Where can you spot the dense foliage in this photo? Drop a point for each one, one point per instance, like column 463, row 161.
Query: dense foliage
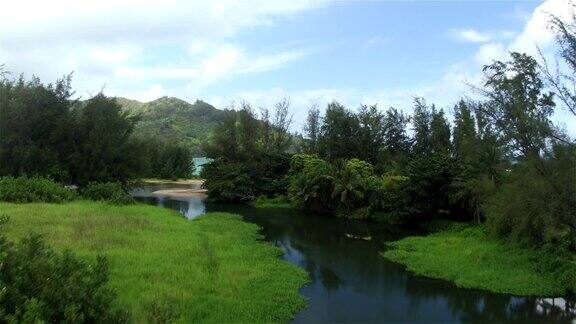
column 34, row 189
column 501, row 161
column 174, row 121
column 41, row 285
column 250, row 158
column 164, row 159
column 107, row 191
column 44, row 131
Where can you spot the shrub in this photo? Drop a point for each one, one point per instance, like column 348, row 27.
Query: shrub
column 34, row 189
column 354, row 188
column 393, row 199
column 107, row 191
column 311, row 183
column 229, row 182
column 535, row 205
column 430, row 185
column 275, row 202
column 243, row 181
column 555, row 258
column 41, row 285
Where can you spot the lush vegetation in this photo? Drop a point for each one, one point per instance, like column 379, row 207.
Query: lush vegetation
column 163, row 267
column 42, row 285
column 35, row 189
column 44, row 131
column 502, row 160
column 470, row 259
column 107, row 191
column 501, row 163
column 175, row 121
column 250, row 155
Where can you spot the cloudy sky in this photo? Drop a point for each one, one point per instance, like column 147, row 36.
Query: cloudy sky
column 312, row 51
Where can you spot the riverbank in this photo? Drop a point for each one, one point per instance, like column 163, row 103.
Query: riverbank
column 276, row 202
column 470, row 259
column 197, row 182
column 182, row 192
column 165, row 268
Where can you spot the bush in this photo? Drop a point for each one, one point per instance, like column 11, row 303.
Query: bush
column 311, row 183
column 430, row 184
column 229, row 182
column 555, row 258
column 275, row 202
column 107, row 191
column 41, row 285
column 393, row 199
column 243, row 181
column 35, row 189
column 535, row 205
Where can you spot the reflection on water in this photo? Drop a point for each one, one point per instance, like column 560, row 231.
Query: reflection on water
column 190, row 206
column 351, row 282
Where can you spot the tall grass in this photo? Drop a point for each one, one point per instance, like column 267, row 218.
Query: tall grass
column 165, row 268
column 471, row 259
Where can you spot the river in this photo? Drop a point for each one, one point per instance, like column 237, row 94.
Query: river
column 351, row 282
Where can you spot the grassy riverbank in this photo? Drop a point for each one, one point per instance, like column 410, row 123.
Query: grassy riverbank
column 163, row 267
column 277, row 202
column 470, row 259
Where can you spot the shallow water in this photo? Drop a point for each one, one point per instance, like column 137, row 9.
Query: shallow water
column 351, row 282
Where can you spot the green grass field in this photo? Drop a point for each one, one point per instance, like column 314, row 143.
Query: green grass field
column 470, row 259
column 163, row 267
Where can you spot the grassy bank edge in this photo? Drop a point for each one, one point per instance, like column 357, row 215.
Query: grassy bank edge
column 281, row 202
column 470, row 259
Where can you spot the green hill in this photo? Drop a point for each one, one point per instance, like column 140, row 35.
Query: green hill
column 173, row 118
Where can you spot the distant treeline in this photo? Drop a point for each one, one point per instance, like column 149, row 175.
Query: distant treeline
column 501, row 162
column 44, row 131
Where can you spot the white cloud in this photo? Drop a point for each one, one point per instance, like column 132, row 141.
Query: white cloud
column 471, row 35
column 535, row 34
column 453, row 85
column 123, row 43
column 211, row 63
column 489, row 52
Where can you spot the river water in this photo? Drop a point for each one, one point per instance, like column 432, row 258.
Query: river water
column 351, row 282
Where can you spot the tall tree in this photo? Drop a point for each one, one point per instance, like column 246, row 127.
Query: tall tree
column 520, row 109
column 339, row 133
column 248, row 131
column 35, row 127
column 266, row 132
column 421, row 127
column 439, row 132
column 396, row 140
column 103, row 150
column 464, row 133
column 395, row 137
column 281, row 126
column 370, row 133
column 223, row 143
column 312, row 130
column 564, row 84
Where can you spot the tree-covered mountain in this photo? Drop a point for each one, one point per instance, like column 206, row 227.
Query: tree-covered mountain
column 175, row 119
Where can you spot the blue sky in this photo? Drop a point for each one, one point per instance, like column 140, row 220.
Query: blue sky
column 374, row 45
column 311, row 51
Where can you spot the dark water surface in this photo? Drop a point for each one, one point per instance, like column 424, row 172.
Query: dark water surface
column 351, row 282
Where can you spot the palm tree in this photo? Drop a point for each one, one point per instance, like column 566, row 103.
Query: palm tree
column 349, row 189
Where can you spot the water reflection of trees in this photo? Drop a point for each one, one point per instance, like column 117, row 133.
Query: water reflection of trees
column 475, row 306
column 320, row 246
